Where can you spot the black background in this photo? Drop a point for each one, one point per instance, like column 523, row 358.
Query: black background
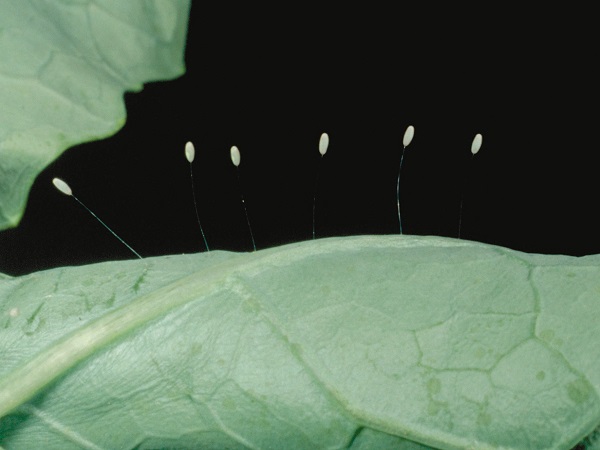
column 272, row 81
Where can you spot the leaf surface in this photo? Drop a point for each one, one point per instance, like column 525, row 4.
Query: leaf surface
column 356, row 342
column 64, row 66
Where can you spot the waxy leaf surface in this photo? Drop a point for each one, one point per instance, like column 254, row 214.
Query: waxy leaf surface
column 356, row 342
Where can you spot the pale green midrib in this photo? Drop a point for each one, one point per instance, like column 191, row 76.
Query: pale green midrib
column 27, row 380
column 30, row 378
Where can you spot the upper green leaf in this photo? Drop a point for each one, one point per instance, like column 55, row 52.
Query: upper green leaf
column 360, row 342
column 64, row 66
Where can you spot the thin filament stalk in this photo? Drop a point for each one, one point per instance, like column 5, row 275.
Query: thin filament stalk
column 460, row 209
column 107, row 227
column 315, row 197
column 196, row 208
column 245, row 210
column 398, row 190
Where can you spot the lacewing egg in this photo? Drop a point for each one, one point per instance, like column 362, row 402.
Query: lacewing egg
column 408, row 136
column 323, row 143
column 62, row 186
column 235, row 156
column 476, row 145
column 190, row 151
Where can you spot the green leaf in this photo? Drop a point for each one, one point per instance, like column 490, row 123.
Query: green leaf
column 64, row 67
column 357, row 342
